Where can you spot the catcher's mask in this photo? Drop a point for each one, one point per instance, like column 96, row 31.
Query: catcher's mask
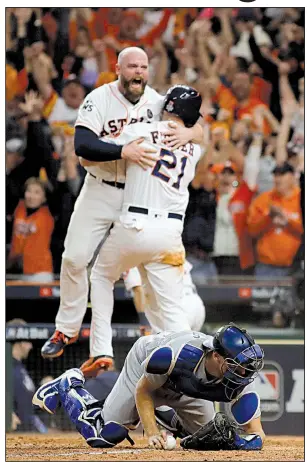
column 243, row 357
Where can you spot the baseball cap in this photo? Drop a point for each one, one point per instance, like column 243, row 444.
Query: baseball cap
column 282, row 169
column 224, row 167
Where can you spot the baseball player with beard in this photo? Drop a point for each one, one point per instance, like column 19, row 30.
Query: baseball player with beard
column 146, row 304
column 173, row 379
column 105, row 111
column 148, row 231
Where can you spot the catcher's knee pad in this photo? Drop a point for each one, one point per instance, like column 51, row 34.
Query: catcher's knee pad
column 167, row 417
column 246, row 408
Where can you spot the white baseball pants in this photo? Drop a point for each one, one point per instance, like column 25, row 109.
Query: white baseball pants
column 138, row 240
column 96, row 208
column 191, row 305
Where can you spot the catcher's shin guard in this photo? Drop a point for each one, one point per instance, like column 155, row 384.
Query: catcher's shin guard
column 80, row 406
column 85, row 412
column 47, row 395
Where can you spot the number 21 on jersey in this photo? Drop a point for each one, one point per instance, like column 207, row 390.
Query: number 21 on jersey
column 169, row 161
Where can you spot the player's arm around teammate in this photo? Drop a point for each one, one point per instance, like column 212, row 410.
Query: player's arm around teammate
column 178, row 136
column 93, row 150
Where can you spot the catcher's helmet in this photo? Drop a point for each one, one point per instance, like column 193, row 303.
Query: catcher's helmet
column 184, row 102
column 243, row 357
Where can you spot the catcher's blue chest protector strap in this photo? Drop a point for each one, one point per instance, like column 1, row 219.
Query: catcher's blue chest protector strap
column 183, row 380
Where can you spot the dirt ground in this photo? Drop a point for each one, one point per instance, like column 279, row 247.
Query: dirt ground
column 71, row 447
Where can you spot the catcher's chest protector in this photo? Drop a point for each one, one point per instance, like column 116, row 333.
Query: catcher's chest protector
column 183, row 380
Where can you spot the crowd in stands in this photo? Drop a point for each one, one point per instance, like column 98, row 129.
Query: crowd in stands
column 245, row 215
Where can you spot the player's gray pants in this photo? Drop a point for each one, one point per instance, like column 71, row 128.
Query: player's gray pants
column 120, row 404
column 96, row 208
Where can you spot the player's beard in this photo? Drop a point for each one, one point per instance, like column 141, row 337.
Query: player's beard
column 132, row 93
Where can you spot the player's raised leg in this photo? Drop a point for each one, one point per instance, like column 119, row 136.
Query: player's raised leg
column 90, row 222
column 105, row 272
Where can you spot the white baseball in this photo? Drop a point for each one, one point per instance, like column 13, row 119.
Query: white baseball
column 170, row 442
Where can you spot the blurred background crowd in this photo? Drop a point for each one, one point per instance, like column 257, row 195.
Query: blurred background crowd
column 248, row 64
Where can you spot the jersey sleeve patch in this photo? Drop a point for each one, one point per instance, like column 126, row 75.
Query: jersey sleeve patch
column 159, row 362
column 246, row 408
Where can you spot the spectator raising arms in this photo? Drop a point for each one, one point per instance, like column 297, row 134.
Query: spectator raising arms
column 275, row 220
column 248, row 66
column 32, row 229
column 233, row 247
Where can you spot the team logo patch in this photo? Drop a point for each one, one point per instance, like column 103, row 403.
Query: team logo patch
column 170, row 106
column 149, row 114
column 269, row 384
column 88, row 105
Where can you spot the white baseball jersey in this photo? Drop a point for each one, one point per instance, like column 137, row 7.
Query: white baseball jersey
column 165, row 186
column 106, row 111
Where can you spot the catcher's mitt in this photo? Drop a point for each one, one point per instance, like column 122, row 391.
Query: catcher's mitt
column 218, row 434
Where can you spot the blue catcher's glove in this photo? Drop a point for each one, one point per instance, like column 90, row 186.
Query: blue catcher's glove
column 219, row 434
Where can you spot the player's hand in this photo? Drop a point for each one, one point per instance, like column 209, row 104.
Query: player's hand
column 145, row 330
column 157, row 441
column 177, row 135
column 145, row 157
column 33, row 103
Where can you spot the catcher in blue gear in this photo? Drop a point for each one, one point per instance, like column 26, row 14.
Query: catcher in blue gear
column 172, row 379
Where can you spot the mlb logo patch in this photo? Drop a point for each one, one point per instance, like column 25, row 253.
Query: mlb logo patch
column 268, row 384
column 170, row 106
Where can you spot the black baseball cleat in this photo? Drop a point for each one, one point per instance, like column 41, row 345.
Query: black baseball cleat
column 54, row 346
